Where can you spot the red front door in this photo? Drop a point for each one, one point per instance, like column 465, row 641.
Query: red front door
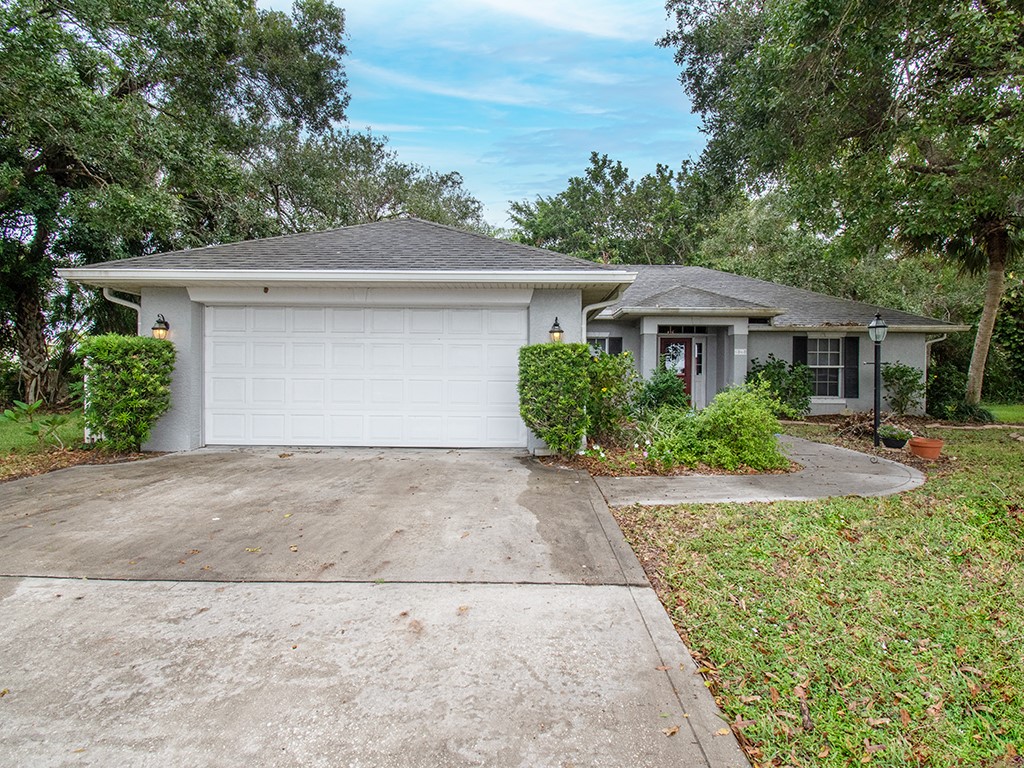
column 676, row 354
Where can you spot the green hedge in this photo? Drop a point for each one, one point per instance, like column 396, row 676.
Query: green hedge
column 128, row 382
column 554, row 386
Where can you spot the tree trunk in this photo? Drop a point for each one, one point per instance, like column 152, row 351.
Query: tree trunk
column 996, row 247
column 30, row 331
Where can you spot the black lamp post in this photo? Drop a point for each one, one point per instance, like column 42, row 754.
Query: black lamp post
column 877, row 329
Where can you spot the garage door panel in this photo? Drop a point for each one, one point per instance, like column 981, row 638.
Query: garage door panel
column 363, row 376
column 268, row 391
column 387, row 321
column 387, row 356
column 466, row 356
column 309, row 355
column 348, row 357
column 268, row 427
column 269, row 320
column 347, row 320
column 346, row 392
column 309, row 320
column 426, row 321
column 228, row 354
column 308, row 392
column 226, row 319
column 268, row 355
column 427, row 392
column 387, row 392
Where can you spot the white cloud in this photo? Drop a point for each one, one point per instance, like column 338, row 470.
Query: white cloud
column 617, row 20
column 507, row 90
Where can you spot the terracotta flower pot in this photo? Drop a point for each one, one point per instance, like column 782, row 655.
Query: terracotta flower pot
column 926, row 447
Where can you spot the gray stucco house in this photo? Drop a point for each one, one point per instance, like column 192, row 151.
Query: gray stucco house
column 406, row 333
column 710, row 326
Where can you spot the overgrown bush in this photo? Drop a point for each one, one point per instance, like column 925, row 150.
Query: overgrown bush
column 739, row 426
column 947, row 384
column 128, row 382
column 904, row 387
column 673, row 437
column 792, row 384
column 554, row 388
column 663, row 388
column 614, row 382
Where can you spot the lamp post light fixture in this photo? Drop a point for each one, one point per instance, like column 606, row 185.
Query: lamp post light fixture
column 877, row 329
column 556, row 333
column 160, row 327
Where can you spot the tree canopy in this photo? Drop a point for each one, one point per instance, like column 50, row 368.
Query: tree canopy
column 880, row 120
column 134, row 127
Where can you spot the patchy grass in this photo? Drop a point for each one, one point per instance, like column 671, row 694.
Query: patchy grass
column 1007, row 414
column 21, row 456
column 884, row 632
column 14, row 438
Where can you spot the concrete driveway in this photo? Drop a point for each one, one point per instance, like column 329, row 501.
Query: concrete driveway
column 336, row 607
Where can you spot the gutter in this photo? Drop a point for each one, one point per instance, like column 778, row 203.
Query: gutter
column 112, row 277
column 109, row 296
column 590, row 308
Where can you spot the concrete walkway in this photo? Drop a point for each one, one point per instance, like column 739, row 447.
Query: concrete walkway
column 827, row 471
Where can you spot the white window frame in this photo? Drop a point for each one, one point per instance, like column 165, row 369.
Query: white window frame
column 840, row 395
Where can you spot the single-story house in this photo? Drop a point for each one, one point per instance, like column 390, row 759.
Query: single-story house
column 712, row 326
column 406, row 333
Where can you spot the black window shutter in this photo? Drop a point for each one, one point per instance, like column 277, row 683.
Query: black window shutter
column 799, row 350
column 851, row 367
column 614, row 345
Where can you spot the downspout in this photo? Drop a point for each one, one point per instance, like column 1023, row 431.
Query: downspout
column 125, row 303
column 594, row 307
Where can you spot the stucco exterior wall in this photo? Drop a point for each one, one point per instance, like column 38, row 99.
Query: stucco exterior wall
column 906, row 348
column 181, row 428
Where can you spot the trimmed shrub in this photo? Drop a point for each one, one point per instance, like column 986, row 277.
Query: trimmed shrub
column 792, row 385
column 904, row 387
column 739, row 426
column 661, row 389
column 554, row 387
column 614, row 382
column 128, row 382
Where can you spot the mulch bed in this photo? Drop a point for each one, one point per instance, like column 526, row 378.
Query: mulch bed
column 15, row 466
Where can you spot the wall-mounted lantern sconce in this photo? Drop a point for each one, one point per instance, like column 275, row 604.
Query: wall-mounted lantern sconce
column 160, row 327
column 556, row 333
column 877, row 329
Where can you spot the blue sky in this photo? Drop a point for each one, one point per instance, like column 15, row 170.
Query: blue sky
column 515, row 94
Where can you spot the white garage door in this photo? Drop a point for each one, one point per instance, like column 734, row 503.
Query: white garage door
column 363, row 376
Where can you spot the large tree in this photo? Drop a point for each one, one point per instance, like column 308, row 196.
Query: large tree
column 898, row 119
column 345, row 177
column 605, row 215
column 126, row 126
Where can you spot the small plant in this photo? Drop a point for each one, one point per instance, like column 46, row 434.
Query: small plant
column 739, row 428
column 904, row 387
column 663, row 388
column 894, row 432
column 792, row 384
column 44, row 427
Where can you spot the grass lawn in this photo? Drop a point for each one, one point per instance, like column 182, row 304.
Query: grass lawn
column 847, row 632
column 1008, row 414
column 14, row 438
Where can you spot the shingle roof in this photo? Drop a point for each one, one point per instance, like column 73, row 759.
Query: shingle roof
column 701, row 288
column 398, row 244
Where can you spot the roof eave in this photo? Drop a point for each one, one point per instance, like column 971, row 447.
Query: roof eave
column 939, row 327
column 139, row 278
column 684, row 311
